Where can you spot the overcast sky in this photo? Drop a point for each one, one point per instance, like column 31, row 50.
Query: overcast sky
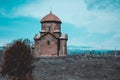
column 93, row 23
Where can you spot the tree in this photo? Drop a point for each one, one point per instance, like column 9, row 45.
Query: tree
column 17, row 60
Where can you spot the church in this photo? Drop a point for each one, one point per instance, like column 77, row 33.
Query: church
column 50, row 41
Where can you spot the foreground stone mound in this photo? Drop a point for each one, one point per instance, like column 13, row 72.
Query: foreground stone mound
column 77, row 67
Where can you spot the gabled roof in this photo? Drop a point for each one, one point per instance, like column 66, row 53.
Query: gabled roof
column 50, row 17
column 48, row 33
column 37, row 36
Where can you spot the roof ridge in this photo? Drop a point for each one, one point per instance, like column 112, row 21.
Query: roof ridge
column 50, row 17
column 48, row 33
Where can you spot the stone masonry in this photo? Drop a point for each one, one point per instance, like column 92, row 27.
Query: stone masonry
column 50, row 41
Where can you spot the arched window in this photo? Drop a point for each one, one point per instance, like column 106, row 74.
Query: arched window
column 49, row 28
column 48, row 42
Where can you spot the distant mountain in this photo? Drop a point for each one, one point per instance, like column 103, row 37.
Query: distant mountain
column 70, row 47
column 73, row 49
column 1, row 48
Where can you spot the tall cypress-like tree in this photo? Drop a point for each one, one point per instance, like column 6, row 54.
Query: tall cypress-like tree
column 17, row 60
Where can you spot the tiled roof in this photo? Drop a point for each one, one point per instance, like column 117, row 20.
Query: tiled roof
column 37, row 36
column 64, row 36
column 50, row 17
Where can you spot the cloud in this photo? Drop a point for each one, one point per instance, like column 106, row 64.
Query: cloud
column 112, row 43
column 77, row 13
column 96, row 16
column 80, row 42
column 108, row 43
column 103, row 4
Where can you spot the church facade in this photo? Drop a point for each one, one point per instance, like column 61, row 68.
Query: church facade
column 50, row 41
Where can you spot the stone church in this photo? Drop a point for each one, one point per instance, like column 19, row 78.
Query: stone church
column 50, row 41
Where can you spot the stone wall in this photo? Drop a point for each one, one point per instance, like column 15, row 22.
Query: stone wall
column 63, row 47
column 47, row 46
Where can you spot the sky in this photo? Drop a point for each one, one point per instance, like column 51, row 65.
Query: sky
column 94, row 23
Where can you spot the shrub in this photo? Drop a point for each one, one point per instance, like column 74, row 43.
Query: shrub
column 17, row 60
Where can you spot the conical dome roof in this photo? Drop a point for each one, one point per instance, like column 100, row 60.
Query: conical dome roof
column 50, row 17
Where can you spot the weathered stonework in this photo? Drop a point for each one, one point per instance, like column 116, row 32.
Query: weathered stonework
column 50, row 41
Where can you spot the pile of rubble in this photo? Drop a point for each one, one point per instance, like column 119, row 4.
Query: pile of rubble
column 77, row 67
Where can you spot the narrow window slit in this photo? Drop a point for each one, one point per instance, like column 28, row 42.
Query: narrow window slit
column 48, row 42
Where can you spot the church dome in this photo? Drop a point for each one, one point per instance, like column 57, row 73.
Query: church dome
column 50, row 17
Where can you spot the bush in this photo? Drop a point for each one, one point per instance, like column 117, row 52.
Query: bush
column 17, row 60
